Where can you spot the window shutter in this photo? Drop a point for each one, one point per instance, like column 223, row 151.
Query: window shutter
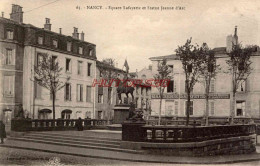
column 176, row 107
column 70, row 93
column 174, row 86
column 65, row 92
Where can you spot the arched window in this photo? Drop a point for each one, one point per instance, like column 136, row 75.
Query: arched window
column 65, row 114
column 44, row 113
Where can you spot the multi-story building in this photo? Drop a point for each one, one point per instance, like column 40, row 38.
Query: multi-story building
column 22, row 47
column 175, row 100
column 106, row 96
column 11, row 66
column 142, row 91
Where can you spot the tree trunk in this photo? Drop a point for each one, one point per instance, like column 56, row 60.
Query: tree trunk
column 188, row 109
column 233, row 108
column 53, row 104
column 207, row 110
column 160, row 111
column 207, row 104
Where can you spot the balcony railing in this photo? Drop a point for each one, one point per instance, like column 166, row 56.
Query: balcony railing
column 55, row 124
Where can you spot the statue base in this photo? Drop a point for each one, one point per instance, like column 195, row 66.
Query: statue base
column 121, row 113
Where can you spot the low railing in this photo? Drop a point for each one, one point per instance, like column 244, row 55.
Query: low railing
column 55, row 124
column 174, row 134
column 201, row 121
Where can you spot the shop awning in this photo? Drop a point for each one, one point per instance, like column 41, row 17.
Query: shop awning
column 66, row 111
column 45, row 111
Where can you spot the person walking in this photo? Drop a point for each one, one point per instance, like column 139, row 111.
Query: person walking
column 79, row 124
column 2, row 131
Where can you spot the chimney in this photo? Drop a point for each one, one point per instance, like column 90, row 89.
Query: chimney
column 17, row 14
column 82, row 36
column 235, row 39
column 3, row 14
column 60, row 30
column 47, row 25
column 75, row 34
column 150, row 67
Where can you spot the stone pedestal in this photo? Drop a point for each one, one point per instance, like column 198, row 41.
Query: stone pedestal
column 133, row 131
column 121, row 113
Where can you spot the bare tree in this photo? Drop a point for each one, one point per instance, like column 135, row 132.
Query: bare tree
column 208, row 71
column 47, row 73
column 161, row 78
column 192, row 59
column 239, row 65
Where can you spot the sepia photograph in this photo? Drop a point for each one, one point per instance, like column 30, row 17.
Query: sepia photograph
column 130, row 82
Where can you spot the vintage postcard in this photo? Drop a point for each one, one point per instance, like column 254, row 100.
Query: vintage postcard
column 129, row 82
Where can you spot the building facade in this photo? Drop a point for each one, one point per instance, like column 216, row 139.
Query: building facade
column 142, row 91
column 23, row 46
column 11, row 66
column 106, row 96
column 175, row 99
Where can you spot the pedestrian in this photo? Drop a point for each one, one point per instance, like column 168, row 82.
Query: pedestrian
column 79, row 124
column 2, row 132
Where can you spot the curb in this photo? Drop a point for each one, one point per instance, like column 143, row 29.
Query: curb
column 133, row 160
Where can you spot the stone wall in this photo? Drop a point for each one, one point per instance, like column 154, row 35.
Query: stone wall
column 233, row 145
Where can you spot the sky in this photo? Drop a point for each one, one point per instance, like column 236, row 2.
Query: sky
column 137, row 35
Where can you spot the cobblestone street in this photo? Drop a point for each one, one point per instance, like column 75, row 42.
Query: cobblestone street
column 10, row 156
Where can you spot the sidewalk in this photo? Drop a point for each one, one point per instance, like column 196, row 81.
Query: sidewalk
column 121, row 156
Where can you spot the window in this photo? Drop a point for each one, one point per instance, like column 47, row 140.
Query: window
column 55, row 43
column 37, row 90
column 67, row 92
column 40, row 40
column 147, row 91
column 80, row 50
column 79, row 92
column 89, row 69
column 240, row 106
column 100, row 95
column 170, row 86
column 88, row 94
column 136, row 102
column 39, row 59
column 10, row 34
column 88, row 114
column 100, row 98
column 143, row 76
column 212, row 86
column 241, row 86
column 69, row 46
column 68, row 65
column 65, row 115
column 137, row 90
column 169, row 104
column 9, row 57
column 191, row 107
column 100, row 115
column 142, row 89
column 79, row 67
column 43, row 115
column 91, row 52
column 170, row 67
column 54, row 60
column 109, row 96
column 9, row 85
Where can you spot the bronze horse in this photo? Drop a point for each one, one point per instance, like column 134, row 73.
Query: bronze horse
column 123, row 88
